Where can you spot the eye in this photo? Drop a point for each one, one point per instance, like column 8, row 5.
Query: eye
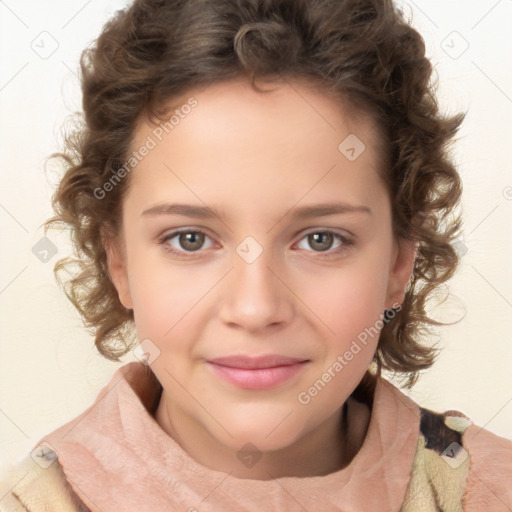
column 184, row 241
column 322, row 241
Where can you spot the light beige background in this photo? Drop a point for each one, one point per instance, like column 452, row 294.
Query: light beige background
column 49, row 369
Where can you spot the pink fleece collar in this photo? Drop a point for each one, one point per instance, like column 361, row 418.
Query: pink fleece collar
column 117, row 457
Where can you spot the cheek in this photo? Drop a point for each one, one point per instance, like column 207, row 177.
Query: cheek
column 349, row 305
column 349, row 298
column 165, row 296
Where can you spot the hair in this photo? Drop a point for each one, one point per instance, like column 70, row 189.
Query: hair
column 364, row 51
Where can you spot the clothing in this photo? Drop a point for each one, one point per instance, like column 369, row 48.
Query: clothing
column 115, row 457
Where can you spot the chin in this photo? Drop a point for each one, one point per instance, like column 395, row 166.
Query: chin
column 261, row 436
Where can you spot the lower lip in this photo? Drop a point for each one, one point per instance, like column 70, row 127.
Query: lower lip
column 262, row 378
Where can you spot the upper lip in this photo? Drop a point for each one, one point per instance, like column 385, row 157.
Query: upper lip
column 256, row 362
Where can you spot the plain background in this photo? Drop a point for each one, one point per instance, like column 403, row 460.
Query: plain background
column 49, row 368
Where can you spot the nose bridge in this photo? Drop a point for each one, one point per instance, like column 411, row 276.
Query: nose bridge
column 252, row 270
column 255, row 297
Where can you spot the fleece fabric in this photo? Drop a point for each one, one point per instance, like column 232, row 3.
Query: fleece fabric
column 115, row 456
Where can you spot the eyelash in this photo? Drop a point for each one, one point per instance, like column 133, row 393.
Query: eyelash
column 347, row 242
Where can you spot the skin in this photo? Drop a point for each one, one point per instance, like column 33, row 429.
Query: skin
column 254, row 158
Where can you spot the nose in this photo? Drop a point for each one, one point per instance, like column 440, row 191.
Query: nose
column 256, row 297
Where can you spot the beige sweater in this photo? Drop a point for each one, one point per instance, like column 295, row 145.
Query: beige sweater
column 114, row 457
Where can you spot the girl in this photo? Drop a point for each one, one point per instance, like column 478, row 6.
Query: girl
column 261, row 195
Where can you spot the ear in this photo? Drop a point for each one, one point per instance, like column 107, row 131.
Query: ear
column 117, row 265
column 404, row 257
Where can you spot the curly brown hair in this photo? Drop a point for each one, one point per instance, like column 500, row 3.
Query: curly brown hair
column 362, row 50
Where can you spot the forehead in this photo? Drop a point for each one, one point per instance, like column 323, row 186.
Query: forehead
column 239, row 143
column 236, row 108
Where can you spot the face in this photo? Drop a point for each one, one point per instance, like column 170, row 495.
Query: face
column 285, row 250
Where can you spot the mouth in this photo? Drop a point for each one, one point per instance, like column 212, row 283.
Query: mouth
column 263, row 372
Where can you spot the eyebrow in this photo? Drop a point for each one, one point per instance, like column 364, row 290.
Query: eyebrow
column 204, row 212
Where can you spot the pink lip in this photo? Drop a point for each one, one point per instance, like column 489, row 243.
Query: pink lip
column 262, row 372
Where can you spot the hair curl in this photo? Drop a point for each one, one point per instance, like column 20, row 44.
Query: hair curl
column 363, row 50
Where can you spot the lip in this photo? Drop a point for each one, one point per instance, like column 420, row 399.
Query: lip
column 262, row 372
column 256, row 362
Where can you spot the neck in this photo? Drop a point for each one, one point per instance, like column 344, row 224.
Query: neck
column 326, row 449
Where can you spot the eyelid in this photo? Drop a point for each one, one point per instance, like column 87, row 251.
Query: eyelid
column 340, row 232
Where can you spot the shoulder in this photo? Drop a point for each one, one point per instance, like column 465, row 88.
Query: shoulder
column 489, row 485
column 459, row 466
column 37, row 482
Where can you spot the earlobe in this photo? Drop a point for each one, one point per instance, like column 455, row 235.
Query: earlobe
column 401, row 271
column 117, row 268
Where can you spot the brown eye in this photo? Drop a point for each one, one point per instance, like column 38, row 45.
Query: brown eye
column 191, row 241
column 324, row 242
column 320, row 241
column 183, row 242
